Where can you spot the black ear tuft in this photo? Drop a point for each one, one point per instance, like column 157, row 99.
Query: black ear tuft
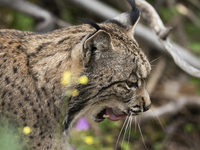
column 135, row 13
column 91, row 22
column 127, row 20
column 133, row 5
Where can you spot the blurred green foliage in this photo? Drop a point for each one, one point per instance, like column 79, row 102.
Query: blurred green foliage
column 107, row 129
column 189, row 127
column 167, row 13
column 196, row 83
column 10, row 138
column 22, row 22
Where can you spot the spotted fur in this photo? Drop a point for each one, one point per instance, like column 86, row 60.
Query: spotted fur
column 32, row 65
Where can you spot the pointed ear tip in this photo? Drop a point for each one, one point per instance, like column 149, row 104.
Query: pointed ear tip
column 103, row 32
column 100, row 33
column 132, row 3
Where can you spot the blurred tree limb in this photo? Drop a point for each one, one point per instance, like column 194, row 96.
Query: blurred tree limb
column 188, row 62
column 150, row 14
column 46, row 21
column 173, row 107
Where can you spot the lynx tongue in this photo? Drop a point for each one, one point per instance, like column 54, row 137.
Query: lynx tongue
column 113, row 116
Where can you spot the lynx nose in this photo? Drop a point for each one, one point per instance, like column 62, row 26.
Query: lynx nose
column 147, row 107
column 146, row 102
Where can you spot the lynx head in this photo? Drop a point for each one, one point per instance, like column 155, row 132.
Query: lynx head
column 116, row 68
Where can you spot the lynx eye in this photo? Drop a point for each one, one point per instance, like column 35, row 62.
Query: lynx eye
column 132, row 84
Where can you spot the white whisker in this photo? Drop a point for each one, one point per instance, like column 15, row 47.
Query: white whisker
column 158, row 120
column 142, row 136
column 126, row 129
column 86, row 115
column 121, row 132
column 131, row 117
column 135, row 123
column 154, row 60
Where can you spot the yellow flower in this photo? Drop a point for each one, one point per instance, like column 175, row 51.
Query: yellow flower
column 74, row 92
column 88, row 140
column 27, row 130
column 83, row 79
column 66, row 78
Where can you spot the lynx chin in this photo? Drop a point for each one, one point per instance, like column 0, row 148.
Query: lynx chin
column 32, row 67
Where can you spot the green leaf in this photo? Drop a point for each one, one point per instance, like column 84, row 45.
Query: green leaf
column 22, row 22
column 189, row 127
column 195, row 46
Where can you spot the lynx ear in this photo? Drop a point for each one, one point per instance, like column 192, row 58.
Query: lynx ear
column 99, row 41
column 129, row 19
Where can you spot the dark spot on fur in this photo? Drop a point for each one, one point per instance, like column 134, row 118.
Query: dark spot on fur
column 39, row 48
column 110, row 79
column 7, row 80
column 34, row 110
column 15, row 112
column 13, row 85
column 4, row 60
column 3, row 47
column 2, row 103
column 31, row 103
column 4, row 55
column 68, row 49
column 18, row 47
column 35, row 126
column 38, row 144
column 50, row 136
column 9, row 94
column 19, row 104
column 21, row 90
column 23, row 118
column 44, row 90
column 38, row 93
column 11, row 99
column 61, row 41
column 14, row 70
column 59, row 64
column 4, row 93
column 54, row 114
column 134, row 59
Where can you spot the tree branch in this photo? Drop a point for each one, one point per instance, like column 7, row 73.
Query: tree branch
column 46, row 19
column 162, row 32
column 173, row 107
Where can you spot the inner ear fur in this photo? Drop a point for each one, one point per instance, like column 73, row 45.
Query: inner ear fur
column 101, row 41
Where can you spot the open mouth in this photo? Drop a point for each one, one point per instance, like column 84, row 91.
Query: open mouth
column 111, row 114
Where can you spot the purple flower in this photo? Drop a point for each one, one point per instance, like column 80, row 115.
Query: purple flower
column 82, row 124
